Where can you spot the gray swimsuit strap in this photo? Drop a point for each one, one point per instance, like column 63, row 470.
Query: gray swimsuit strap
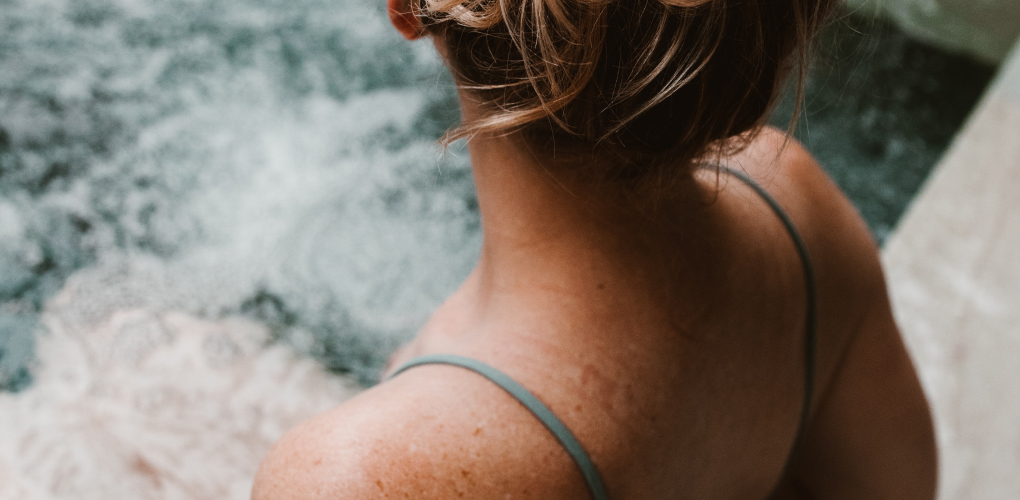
column 811, row 326
column 526, row 398
column 560, row 431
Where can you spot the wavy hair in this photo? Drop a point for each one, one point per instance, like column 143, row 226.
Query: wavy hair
column 647, row 85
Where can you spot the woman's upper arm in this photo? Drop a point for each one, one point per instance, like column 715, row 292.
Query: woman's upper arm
column 871, row 433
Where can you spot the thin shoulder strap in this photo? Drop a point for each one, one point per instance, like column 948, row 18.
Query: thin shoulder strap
column 810, row 340
column 555, row 426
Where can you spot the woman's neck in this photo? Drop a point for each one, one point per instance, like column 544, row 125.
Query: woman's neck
column 550, row 246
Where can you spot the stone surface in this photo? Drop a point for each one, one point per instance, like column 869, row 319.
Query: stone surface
column 954, row 270
column 984, row 29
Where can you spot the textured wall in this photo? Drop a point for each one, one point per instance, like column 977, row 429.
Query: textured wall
column 985, row 29
column 953, row 272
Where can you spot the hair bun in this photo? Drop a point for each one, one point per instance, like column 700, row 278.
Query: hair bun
column 643, row 86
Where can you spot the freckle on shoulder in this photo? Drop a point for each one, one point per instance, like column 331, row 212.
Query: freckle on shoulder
column 321, row 458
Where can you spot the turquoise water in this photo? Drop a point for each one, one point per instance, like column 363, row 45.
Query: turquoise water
column 881, row 109
column 276, row 159
column 272, row 158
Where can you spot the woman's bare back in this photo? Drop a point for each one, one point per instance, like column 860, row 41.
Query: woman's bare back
column 674, row 352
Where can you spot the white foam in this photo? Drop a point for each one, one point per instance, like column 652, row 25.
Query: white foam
column 224, row 180
column 139, row 403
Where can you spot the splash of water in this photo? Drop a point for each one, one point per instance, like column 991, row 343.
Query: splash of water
column 285, row 146
column 216, row 190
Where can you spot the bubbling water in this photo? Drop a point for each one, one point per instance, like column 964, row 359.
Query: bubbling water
column 291, row 143
column 196, row 198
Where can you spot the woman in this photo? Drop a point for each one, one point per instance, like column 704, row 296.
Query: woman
column 672, row 301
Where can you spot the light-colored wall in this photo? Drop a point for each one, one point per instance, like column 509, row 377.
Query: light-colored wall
column 954, row 278
column 985, row 29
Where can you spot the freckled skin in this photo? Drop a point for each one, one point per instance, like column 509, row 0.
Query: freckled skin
column 670, row 344
column 659, row 413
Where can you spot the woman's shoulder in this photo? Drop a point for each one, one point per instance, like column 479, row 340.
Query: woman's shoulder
column 871, row 430
column 844, row 256
column 401, row 439
column 820, row 210
column 840, row 245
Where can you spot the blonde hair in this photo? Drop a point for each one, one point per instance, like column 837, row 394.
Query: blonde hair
column 644, row 83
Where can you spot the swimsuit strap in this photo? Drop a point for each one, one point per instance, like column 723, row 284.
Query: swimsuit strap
column 567, row 439
column 541, row 411
column 810, row 334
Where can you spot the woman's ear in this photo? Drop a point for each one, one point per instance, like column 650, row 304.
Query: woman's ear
column 404, row 19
